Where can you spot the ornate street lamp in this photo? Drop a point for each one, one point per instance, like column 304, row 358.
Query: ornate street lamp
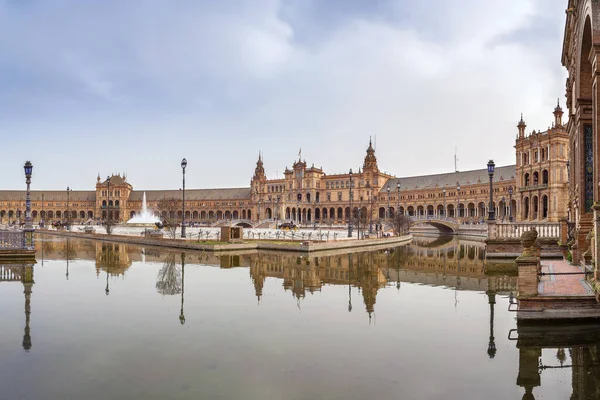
column 183, row 165
column 457, row 213
column 28, row 167
column 68, row 212
column 398, row 191
column 490, row 167
column 444, row 210
column 350, row 200
column 43, row 214
column 510, row 192
column 108, row 214
column 388, row 200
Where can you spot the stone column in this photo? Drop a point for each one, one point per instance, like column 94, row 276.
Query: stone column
column 595, row 243
column 492, row 229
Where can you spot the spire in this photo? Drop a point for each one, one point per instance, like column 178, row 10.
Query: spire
column 558, row 113
column 370, row 159
column 259, row 171
column 521, row 126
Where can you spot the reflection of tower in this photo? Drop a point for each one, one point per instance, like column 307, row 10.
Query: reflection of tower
column 27, row 286
column 181, row 315
column 491, row 344
column 258, row 277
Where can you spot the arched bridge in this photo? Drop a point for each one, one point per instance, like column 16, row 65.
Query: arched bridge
column 443, row 224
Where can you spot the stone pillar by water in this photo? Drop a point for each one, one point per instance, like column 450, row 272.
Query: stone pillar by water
column 528, row 264
column 492, row 229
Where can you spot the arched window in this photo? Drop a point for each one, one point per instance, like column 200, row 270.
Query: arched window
column 545, row 177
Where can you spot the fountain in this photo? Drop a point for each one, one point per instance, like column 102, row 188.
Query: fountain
column 145, row 218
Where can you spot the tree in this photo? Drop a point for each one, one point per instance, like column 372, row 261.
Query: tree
column 168, row 281
column 401, row 224
column 168, row 208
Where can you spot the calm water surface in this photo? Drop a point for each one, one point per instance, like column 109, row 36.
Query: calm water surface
column 97, row 320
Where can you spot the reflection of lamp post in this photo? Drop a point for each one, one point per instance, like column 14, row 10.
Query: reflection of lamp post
column 67, row 274
column 349, row 285
column 490, row 167
column 28, row 225
column 350, row 201
column 510, row 192
column 181, row 315
column 183, row 165
column 491, row 344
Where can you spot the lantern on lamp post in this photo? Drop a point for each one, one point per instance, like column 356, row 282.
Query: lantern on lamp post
column 183, row 165
column 491, row 213
column 28, row 167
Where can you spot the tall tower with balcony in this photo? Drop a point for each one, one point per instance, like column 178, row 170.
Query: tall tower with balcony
column 541, row 172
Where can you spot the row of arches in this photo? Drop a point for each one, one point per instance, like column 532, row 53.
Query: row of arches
column 110, row 203
column 535, row 208
column 534, row 178
column 46, row 214
column 203, row 215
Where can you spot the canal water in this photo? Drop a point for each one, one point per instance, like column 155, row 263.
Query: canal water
column 101, row 320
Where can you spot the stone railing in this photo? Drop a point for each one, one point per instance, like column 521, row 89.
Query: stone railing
column 433, row 217
column 13, row 240
column 516, row 229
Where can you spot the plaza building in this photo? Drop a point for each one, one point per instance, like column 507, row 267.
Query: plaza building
column 534, row 189
column 581, row 56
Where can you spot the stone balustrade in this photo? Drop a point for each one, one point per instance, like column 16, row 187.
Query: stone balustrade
column 13, row 240
column 506, row 230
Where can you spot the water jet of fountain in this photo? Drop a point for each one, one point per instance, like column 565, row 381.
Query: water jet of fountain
column 146, row 217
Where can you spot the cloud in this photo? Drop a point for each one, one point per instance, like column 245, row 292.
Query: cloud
column 135, row 86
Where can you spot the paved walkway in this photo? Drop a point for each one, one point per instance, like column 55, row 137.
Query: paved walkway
column 563, row 285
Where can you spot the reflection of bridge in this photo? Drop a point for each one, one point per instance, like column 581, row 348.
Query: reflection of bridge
column 443, row 224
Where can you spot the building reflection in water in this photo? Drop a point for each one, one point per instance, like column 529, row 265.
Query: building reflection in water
column 21, row 272
column 583, row 344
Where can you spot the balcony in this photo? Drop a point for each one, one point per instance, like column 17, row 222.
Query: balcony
column 534, row 187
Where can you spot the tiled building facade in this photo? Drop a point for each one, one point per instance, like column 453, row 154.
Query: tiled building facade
column 533, row 189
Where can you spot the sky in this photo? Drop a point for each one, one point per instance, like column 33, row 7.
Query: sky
column 110, row 86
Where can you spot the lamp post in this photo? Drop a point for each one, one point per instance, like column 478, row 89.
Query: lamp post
column 398, row 191
column 43, row 215
column 350, row 201
column 490, row 167
column 510, row 192
column 183, row 165
column 108, row 212
column 68, row 212
column 444, row 210
column 457, row 200
column 28, row 167
column 388, row 200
